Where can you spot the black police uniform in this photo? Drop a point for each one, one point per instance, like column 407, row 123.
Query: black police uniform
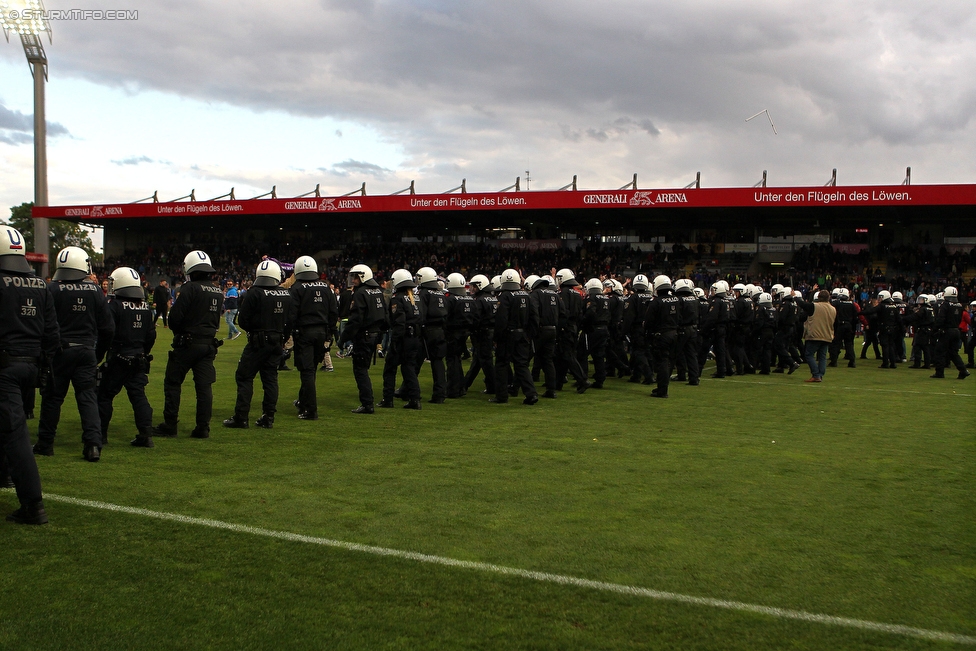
column 785, row 325
column 86, row 329
column 716, row 333
column 767, row 320
column 127, row 365
column 686, row 347
column 461, row 315
column 923, row 321
column 482, row 340
column 661, row 321
column 616, row 352
column 28, row 334
column 596, row 326
column 546, row 302
column 948, row 339
column 843, row 331
column 194, row 319
column 892, row 333
column 367, row 322
column 633, row 327
column 433, row 306
column 313, row 317
column 161, row 301
column 742, row 328
column 264, row 314
column 515, row 322
column 569, row 320
column 406, row 347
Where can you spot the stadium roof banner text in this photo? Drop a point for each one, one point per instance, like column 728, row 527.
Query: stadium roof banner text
column 897, row 195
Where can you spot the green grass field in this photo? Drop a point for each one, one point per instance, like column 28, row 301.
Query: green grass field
column 853, row 498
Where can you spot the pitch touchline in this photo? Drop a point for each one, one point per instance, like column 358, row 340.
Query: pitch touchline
column 894, row 629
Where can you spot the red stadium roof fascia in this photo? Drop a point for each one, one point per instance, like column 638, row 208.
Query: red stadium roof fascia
column 870, row 195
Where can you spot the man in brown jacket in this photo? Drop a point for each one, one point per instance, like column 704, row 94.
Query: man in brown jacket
column 818, row 331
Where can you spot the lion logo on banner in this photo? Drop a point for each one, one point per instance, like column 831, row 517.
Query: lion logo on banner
column 641, row 198
column 327, row 204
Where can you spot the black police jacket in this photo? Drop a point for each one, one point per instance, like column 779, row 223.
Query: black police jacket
column 28, row 320
column 405, row 317
column 83, row 316
column 367, row 312
column 433, row 306
column 313, row 304
column 196, row 311
column 546, row 301
column 461, row 312
column 663, row 314
column 265, row 309
column 486, row 305
column 135, row 327
column 515, row 312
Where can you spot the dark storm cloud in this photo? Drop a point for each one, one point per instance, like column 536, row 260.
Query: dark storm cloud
column 483, row 87
column 17, row 128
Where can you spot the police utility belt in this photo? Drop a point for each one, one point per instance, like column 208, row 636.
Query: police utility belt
column 7, row 359
column 185, row 340
column 264, row 338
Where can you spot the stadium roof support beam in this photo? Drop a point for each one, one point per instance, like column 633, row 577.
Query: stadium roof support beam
column 569, row 186
column 273, row 194
column 463, row 188
column 316, row 192
column 229, row 195
column 762, row 183
column 412, row 189
column 514, row 186
column 833, row 179
column 694, row 184
column 361, row 191
column 908, row 176
column 154, row 197
column 632, row 185
column 192, row 197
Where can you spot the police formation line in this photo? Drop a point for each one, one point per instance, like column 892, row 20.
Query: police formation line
column 547, row 328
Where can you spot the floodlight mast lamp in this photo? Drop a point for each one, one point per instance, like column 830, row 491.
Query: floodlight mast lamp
column 26, row 19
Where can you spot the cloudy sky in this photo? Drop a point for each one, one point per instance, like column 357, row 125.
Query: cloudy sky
column 209, row 95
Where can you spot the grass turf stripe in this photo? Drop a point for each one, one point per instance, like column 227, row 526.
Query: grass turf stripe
column 545, row 577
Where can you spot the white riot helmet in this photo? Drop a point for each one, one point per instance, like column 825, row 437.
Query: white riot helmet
column 739, row 287
column 720, row 287
column 125, row 282
column 496, row 284
column 594, row 286
column 699, row 292
column 455, row 284
column 402, row 278
column 73, row 264
column 12, row 251
column 921, row 299
column 544, row 281
column 268, row 274
column 684, row 285
column 640, row 283
column 939, row 297
column 306, row 268
column 618, row 288
column 785, row 293
column 835, row 292
column 549, row 279
column 661, row 283
column 797, row 293
column 359, row 272
column 897, row 296
column 608, row 284
column 765, row 299
column 510, row 280
column 757, row 290
column 427, row 278
column 197, row 261
column 884, row 295
column 776, row 289
column 951, row 294
column 844, row 293
column 480, row 283
column 749, row 291
column 566, row 277
column 531, row 280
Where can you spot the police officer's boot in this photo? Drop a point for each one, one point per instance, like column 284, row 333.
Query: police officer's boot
column 549, row 394
column 413, row 404
column 265, row 422
column 386, row 404
column 44, row 449
column 92, row 452
column 166, row 430
column 235, row 422
column 29, row 514
column 200, row 433
column 361, row 409
column 143, row 439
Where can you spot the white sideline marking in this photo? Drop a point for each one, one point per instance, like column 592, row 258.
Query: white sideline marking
column 545, row 577
column 920, row 393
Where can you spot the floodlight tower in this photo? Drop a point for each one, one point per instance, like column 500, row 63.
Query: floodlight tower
column 27, row 19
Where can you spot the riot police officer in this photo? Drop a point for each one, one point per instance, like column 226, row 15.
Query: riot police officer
column 263, row 314
column 194, row 319
column 545, row 299
column 314, row 313
column 616, row 351
column 767, row 321
column 515, row 322
column 367, row 322
column 716, row 325
column 661, row 323
column 596, row 325
column 460, row 319
column 127, row 362
column 922, row 321
column 847, row 312
column 786, row 319
column 28, row 333
column 569, row 321
column 686, row 347
column 483, row 333
column 949, row 338
column 742, row 308
column 433, row 306
column 86, row 329
column 406, row 345
column 633, row 327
